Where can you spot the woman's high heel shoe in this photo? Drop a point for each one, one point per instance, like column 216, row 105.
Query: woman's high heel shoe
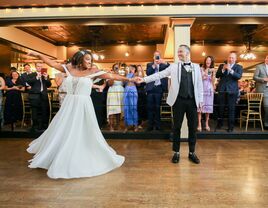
column 199, row 129
column 207, row 128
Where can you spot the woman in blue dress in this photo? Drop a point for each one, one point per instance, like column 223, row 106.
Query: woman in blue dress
column 131, row 101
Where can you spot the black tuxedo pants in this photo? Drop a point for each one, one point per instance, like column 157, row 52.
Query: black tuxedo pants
column 184, row 106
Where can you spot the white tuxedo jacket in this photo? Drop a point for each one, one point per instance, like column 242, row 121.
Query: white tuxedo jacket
column 174, row 71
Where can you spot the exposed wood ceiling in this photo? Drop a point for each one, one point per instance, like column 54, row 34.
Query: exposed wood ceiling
column 229, row 34
column 146, row 33
column 148, row 30
column 34, row 3
column 100, row 35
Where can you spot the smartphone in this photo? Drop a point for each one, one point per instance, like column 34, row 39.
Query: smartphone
column 43, row 70
column 20, row 86
column 157, row 57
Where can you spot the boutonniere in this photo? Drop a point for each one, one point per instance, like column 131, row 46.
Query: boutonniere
column 189, row 69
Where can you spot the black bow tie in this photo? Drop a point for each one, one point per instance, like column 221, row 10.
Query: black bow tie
column 187, row 64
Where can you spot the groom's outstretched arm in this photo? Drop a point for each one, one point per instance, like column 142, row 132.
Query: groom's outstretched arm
column 158, row 75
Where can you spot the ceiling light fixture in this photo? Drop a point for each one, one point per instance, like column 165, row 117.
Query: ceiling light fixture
column 203, row 53
column 95, row 56
column 127, row 54
column 248, row 55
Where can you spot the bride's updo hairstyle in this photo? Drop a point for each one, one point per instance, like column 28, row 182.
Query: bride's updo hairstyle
column 78, row 57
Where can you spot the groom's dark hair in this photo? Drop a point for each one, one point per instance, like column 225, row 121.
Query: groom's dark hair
column 77, row 58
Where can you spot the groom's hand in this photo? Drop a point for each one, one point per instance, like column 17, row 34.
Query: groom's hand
column 138, row 80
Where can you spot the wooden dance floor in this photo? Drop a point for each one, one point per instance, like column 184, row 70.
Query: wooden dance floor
column 232, row 173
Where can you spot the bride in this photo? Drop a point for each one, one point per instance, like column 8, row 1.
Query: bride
column 73, row 145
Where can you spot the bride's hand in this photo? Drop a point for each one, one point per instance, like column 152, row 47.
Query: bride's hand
column 32, row 53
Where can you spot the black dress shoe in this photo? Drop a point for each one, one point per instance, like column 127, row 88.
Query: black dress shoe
column 32, row 129
column 194, row 158
column 149, row 129
column 175, row 158
column 219, row 125
column 158, row 129
column 230, row 129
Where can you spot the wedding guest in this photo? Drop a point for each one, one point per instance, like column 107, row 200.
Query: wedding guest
column 130, row 101
column 24, row 76
column 142, row 114
column 2, row 87
column 208, row 77
column 98, row 98
column 229, row 73
column 13, row 105
column 115, row 100
column 38, row 97
column 59, row 80
column 155, row 91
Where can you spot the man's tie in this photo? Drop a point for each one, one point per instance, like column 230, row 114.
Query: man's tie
column 157, row 82
column 42, row 88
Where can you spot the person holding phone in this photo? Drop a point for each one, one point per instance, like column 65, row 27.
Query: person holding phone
column 208, row 77
column 155, row 91
column 38, row 97
column 229, row 73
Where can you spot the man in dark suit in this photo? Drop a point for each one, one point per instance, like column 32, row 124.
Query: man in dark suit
column 24, row 76
column 229, row 73
column 38, row 97
column 155, row 91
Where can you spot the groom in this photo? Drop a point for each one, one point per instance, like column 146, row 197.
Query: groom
column 185, row 96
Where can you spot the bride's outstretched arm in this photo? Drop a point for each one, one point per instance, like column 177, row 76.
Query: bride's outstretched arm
column 48, row 61
column 115, row 77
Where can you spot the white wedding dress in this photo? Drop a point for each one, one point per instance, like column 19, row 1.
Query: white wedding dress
column 73, row 145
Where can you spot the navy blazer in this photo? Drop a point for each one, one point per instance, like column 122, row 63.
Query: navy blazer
column 24, row 78
column 36, row 84
column 150, row 70
column 229, row 82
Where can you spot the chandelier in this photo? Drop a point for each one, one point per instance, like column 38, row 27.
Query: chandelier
column 249, row 31
column 97, row 56
column 248, row 55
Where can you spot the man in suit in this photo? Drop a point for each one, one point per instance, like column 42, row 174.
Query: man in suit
column 155, row 91
column 185, row 96
column 38, row 97
column 24, row 76
column 261, row 78
column 229, row 73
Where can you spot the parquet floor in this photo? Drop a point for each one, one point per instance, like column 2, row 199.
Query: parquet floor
column 232, row 173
